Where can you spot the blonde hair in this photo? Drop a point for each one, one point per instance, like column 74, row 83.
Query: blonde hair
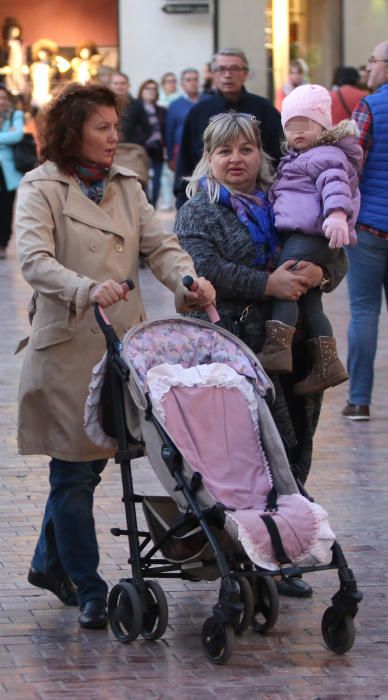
column 224, row 129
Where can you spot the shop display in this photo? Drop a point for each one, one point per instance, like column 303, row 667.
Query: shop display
column 47, row 66
column 11, row 57
column 86, row 62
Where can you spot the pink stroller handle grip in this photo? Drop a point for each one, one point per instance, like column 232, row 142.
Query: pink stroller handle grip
column 212, row 313
column 103, row 315
column 210, row 309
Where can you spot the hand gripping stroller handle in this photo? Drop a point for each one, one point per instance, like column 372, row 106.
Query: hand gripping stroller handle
column 210, row 308
column 103, row 320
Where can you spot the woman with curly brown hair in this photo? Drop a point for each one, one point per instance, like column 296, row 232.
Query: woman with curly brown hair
column 81, row 224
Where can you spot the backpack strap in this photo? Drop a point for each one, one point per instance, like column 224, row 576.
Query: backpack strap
column 342, row 100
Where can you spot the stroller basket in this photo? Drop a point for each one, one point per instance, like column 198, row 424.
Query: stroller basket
column 188, row 541
column 196, row 396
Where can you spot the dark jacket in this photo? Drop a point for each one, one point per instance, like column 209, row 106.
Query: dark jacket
column 155, row 147
column 222, row 251
column 198, row 119
column 134, row 124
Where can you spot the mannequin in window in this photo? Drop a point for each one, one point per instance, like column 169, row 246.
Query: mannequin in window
column 11, row 59
column 46, row 67
column 86, row 63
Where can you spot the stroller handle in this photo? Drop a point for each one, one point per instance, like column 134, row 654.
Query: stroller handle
column 210, row 308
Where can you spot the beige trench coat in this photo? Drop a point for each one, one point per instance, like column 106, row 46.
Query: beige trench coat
column 66, row 244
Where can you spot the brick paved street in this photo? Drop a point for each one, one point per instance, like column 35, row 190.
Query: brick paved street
column 45, row 656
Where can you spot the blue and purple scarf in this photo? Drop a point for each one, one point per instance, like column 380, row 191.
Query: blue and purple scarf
column 255, row 213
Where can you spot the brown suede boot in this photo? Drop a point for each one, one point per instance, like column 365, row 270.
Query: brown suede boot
column 276, row 354
column 327, row 370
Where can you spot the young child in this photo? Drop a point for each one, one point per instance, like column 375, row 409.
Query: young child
column 315, row 197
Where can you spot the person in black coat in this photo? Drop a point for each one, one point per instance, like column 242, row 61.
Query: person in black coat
column 134, row 123
column 148, row 96
column 230, row 69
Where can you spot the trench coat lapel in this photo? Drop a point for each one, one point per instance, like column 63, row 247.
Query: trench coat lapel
column 81, row 208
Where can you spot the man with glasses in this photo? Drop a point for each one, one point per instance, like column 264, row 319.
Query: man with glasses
column 230, row 69
column 368, row 261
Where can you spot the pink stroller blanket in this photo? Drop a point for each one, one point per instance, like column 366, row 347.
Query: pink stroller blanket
column 210, row 411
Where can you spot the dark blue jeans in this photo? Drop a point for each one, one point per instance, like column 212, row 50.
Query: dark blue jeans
column 68, row 542
column 367, row 282
column 302, row 246
column 155, row 182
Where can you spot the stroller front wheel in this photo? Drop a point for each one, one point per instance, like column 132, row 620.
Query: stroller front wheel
column 338, row 630
column 125, row 612
column 218, row 640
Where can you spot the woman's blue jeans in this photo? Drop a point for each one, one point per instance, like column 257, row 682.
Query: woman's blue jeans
column 68, row 542
column 367, row 278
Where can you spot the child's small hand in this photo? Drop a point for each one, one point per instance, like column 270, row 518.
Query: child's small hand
column 336, row 229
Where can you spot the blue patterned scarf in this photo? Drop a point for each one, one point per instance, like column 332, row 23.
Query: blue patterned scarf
column 255, row 213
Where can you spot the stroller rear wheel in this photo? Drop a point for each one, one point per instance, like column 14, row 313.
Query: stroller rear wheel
column 125, row 612
column 266, row 610
column 218, row 640
column 247, row 598
column 155, row 618
column 338, row 630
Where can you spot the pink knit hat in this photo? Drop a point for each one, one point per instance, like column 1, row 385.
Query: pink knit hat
column 311, row 101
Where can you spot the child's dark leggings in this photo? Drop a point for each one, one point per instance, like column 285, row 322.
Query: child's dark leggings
column 301, row 246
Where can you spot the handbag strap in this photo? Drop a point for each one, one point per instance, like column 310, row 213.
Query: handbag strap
column 342, row 100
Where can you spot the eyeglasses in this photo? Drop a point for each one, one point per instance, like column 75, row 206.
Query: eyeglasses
column 229, row 69
column 243, row 115
column 372, row 59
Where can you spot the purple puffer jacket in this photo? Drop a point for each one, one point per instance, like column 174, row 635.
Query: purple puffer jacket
column 310, row 185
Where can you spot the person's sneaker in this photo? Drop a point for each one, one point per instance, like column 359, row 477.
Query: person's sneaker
column 355, row 411
column 62, row 587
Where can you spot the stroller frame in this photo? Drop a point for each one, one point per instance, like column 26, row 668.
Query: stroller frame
column 248, row 595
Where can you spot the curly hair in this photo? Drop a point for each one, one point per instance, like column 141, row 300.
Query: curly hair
column 64, row 120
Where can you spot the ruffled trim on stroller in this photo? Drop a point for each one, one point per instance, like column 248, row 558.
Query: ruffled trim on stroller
column 306, row 544
column 160, row 379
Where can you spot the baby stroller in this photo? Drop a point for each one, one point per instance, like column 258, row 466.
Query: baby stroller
column 194, row 397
